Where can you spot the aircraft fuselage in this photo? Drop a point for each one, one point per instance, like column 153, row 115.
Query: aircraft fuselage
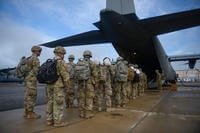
column 135, row 43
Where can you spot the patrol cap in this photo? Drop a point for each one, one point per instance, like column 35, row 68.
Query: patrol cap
column 36, row 48
column 71, row 56
column 87, row 53
column 59, row 49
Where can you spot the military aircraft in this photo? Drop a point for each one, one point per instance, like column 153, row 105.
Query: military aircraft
column 8, row 75
column 134, row 39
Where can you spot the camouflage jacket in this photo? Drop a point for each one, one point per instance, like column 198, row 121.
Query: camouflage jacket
column 33, row 64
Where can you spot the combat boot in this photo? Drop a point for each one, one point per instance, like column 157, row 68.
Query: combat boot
column 81, row 114
column 108, row 109
column 50, row 123
column 60, row 124
column 89, row 114
column 33, row 115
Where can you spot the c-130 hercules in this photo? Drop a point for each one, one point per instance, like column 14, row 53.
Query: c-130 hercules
column 135, row 39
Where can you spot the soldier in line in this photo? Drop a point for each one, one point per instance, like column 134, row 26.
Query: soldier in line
column 113, row 65
column 33, row 64
column 127, row 88
column 70, row 92
column 104, row 89
column 136, row 81
column 121, row 72
column 130, row 90
column 87, row 78
column 142, row 83
column 158, row 79
column 55, row 91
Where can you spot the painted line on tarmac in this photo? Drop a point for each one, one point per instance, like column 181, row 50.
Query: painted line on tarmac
column 148, row 113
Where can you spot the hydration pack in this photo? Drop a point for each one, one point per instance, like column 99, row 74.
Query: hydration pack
column 82, row 70
column 47, row 72
column 22, row 68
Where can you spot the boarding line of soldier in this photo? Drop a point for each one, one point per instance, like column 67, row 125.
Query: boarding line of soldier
column 110, row 84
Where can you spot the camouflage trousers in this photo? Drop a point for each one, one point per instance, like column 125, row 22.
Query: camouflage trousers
column 129, row 89
column 104, row 93
column 85, row 96
column 30, row 95
column 55, row 103
column 159, row 84
column 134, row 92
column 120, row 93
column 70, row 94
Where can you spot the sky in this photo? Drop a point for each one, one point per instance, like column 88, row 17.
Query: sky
column 24, row 23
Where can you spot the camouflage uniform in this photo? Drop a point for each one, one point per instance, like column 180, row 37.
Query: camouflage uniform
column 55, row 94
column 104, row 89
column 130, row 90
column 30, row 79
column 70, row 92
column 86, row 89
column 120, row 88
column 158, row 80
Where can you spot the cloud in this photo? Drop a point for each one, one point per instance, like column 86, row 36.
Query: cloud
column 16, row 41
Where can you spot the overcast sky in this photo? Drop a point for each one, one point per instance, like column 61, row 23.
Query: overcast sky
column 24, row 23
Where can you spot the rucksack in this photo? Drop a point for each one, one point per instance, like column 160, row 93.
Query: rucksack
column 82, row 70
column 121, row 72
column 47, row 72
column 130, row 74
column 102, row 73
column 70, row 69
column 22, row 68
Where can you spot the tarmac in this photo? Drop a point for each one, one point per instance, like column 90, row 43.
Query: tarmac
column 155, row 112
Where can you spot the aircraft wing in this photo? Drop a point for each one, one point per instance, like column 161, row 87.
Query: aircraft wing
column 184, row 57
column 190, row 58
column 91, row 37
column 172, row 22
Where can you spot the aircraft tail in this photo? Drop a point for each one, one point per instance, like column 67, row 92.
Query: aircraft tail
column 121, row 6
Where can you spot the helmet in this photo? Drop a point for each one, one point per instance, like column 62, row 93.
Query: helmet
column 119, row 58
column 71, row 56
column 36, row 48
column 87, row 53
column 59, row 49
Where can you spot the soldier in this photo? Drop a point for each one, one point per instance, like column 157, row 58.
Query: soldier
column 121, row 73
column 70, row 92
column 55, row 91
column 158, row 79
column 136, row 81
column 86, row 76
column 30, row 79
column 104, row 89
column 142, row 82
column 130, row 89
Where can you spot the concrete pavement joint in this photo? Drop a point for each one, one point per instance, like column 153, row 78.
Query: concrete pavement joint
column 148, row 113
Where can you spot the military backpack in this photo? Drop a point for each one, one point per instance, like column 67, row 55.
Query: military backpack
column 121, row 72
column 23, row 67
column 102, row 74
column 47, row 72
column 82, row 70
column 130, row 74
